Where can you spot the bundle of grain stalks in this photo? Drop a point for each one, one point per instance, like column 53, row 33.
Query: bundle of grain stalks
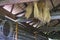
column 29, row 10
column 41, row 11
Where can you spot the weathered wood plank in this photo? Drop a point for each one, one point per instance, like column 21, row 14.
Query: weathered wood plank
column 4, row 2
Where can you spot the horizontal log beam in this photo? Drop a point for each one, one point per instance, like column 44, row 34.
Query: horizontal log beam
column 6, row 13
column 4, row 2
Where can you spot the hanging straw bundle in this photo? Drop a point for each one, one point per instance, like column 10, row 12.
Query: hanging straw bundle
column 41, row 11
column 46, row 13
column 37, row 13
column 28, row 10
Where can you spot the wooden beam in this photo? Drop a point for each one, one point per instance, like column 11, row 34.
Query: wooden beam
column 20, row 13
column 6, row 13
column 4, row 2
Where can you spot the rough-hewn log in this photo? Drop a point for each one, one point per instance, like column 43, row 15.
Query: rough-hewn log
column 6, row 13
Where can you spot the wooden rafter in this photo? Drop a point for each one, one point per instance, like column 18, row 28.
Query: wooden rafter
column 6, row 13
column 12, row 8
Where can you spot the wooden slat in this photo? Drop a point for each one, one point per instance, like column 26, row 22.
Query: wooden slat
column 6, row 13
column 3, row 2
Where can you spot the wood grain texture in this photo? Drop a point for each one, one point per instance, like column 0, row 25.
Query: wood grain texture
column 4, row 2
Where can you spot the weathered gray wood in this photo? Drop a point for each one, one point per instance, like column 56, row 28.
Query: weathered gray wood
column 3, row 2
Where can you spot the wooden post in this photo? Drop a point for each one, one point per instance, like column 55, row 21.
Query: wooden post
column 35, row 35
column 16, row 37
